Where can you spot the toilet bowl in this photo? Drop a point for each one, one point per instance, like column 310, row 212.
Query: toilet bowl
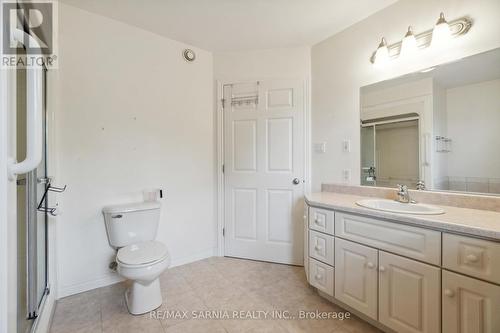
column 131, row 230
column 143, row 263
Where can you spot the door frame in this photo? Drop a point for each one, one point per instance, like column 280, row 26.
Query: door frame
column 220, row 150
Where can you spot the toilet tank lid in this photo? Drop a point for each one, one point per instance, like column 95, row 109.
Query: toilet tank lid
column 131, row 207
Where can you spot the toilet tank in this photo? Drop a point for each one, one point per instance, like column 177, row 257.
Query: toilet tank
column 131, row 223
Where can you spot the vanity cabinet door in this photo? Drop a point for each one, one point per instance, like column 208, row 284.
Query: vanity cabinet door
column 322, row 276
column 470, row 305
column 409, row 295
column 321, row 247
column 356, row 276
column 321, row 220
column 472, row 256
column 412, row 242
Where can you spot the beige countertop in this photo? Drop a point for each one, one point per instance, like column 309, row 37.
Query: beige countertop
column 474, row 222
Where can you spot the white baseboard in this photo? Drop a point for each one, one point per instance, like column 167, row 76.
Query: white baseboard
column 115, row 278
column 194, row 257
column 88, row 285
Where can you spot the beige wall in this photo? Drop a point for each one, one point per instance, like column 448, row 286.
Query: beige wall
column 340, row 66
column 132, row 115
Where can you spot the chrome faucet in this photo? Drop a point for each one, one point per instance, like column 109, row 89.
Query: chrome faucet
column 403, row 194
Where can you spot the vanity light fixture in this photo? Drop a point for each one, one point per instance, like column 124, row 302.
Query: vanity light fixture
column 409, row 44
column 381, row 56
column 442, row 31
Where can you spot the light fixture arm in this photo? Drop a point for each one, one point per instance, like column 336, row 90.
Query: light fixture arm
column 458, row 27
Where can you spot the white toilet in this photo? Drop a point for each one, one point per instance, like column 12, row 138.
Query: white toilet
column 132, row 229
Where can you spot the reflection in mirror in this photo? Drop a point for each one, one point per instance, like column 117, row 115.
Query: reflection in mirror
column 439, row 127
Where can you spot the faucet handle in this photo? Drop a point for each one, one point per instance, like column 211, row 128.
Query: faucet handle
column 421, row 185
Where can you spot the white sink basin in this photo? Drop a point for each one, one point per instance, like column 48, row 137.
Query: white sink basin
column 398, row 207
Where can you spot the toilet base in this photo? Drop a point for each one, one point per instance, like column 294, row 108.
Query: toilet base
column 141, row 298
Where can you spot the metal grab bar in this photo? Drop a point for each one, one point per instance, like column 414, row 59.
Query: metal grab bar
column 34, row 110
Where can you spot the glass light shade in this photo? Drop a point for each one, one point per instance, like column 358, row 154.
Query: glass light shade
column 408, row 45
column 441, row 33
column 382, row 54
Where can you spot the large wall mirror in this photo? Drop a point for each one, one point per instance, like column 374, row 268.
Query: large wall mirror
column 438, row 128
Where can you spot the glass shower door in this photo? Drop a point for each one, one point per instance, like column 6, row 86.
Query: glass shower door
column 32, row 223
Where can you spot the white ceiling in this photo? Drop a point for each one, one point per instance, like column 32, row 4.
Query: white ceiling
column 230, row 25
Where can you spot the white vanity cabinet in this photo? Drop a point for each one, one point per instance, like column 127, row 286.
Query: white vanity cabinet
column 409, row 279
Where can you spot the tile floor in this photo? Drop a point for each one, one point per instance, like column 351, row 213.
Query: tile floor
column 214, row 286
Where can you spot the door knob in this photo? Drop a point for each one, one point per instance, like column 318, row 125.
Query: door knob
column 296, row 181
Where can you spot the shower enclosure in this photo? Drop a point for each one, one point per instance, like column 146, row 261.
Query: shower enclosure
column 390, row 152
column 32, row 218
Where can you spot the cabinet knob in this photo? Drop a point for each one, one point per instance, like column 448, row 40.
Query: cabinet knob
column 471, row 258
column 318, row 276
column 305, row 217
column 370, row 265
column 318, row 248
column 449, row 293
column 381, row 268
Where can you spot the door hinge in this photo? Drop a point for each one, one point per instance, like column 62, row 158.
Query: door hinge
column 223, row 168
column 223, row 232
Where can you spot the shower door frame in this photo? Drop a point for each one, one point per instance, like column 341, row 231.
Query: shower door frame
column 373, row 124
column 34, row 304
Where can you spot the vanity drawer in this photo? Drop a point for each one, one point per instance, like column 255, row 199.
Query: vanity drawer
column 408, row 241
column 321, row 276
column 321, row 247
column 472, row 256
column 321, row 220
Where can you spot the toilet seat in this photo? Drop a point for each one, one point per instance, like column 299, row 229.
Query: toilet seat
column 142, row 254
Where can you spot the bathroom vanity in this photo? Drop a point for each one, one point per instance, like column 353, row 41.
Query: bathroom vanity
column 404, row 272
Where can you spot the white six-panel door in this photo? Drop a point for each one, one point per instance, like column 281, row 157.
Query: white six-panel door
column 264, row 170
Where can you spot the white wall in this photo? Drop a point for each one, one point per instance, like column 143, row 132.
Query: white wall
column 132, row 114
column 263, row 64
column 340, row 66
column 473, row 118
column 440, row 159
